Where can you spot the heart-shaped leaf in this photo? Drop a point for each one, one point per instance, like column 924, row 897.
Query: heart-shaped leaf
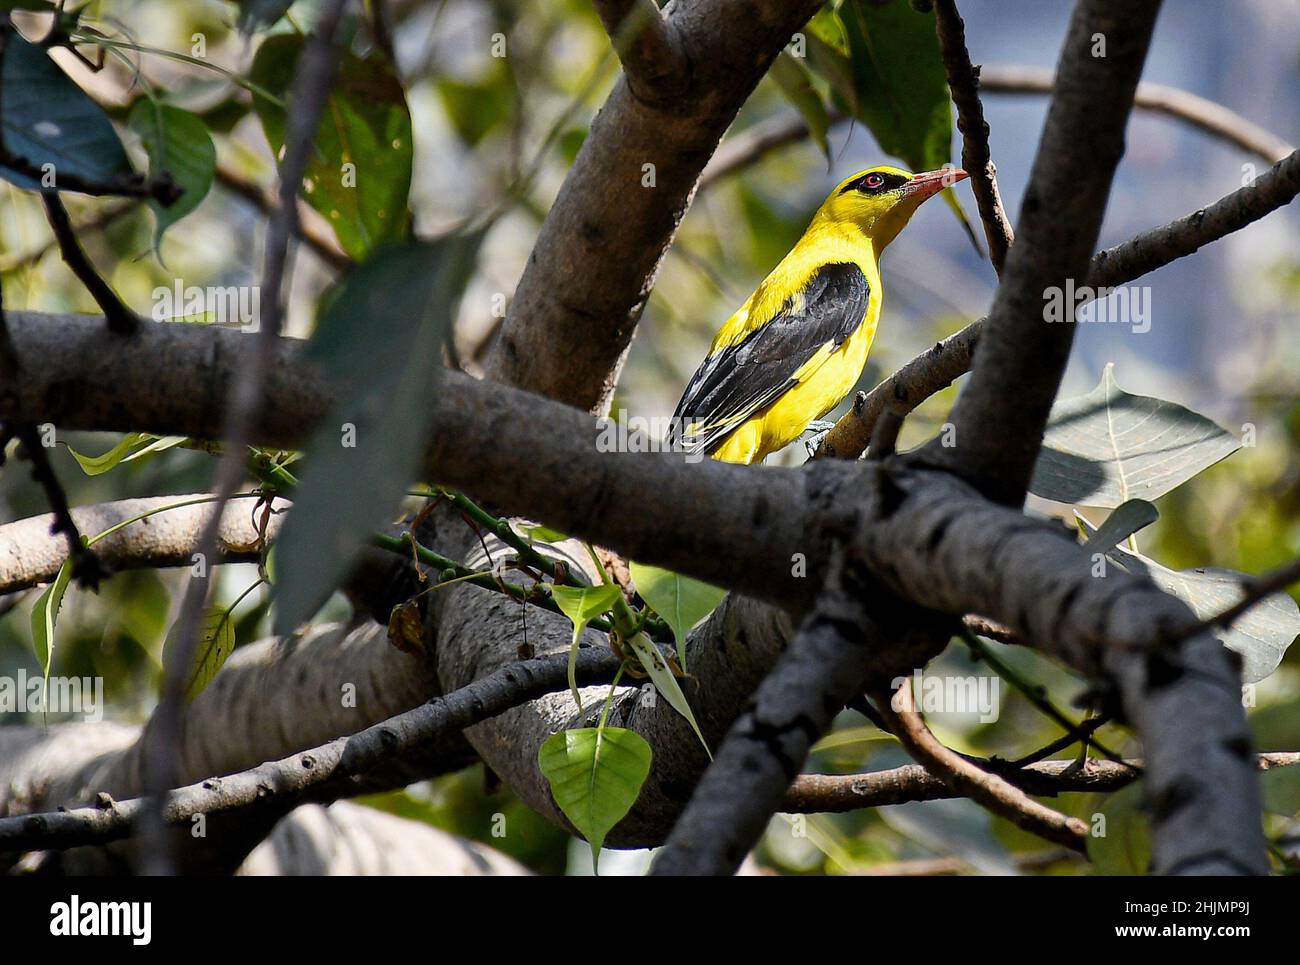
column 582, row 604
column 680, row 600
column 178, row 143
column 380, row 338
column 1107, row 447
column 595, row 775
column 359, row 173
column 49, row 120
column 661, row 675
column 1261, row 635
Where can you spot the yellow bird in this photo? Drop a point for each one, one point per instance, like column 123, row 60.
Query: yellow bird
column 797, row 347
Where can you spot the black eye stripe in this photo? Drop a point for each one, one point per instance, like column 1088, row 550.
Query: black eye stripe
column 888, row 183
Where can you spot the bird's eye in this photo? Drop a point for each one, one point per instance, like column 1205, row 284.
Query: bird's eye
column 873, row 180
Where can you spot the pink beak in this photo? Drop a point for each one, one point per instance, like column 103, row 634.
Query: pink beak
column 930, row 183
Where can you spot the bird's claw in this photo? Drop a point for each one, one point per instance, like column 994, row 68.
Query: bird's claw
column 818, row 429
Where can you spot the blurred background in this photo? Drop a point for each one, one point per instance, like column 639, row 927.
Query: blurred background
column 1222, row 341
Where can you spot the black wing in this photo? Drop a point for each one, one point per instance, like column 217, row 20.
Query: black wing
column 743, row 378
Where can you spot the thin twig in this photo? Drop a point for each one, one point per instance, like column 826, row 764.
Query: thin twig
column 311, row 228
column 838, row 793
column 310, row 89
column 993, row 792
column 326, row 773
column 1211, row 117
column 1256, row 589
column 757, row 141
column 940, row 365
column 963, row 80
column 120, row 318
column 1035, row 695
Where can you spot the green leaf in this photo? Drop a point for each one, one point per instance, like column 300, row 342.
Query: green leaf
column 1107, row 447
column 680, row 600
column 133, row 446
column 792, row 76
column 48, row 119
column 541, row 534
column 1126, row 520
column 665, row 682
column 359, row 173
column 476, row 109
column 900, row 87
column 216, row 642
column 595, row 777
column 582, row 605
column 46, row 613
column 177, row 142
column 1125, row 848
column 379, row 341
column 1261, row 635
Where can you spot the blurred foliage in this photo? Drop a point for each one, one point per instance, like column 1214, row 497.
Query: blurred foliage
column 477, row 122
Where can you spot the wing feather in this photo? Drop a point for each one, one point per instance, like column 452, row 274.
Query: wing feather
column 736, row 383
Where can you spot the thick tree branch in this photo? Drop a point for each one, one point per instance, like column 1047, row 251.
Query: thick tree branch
column 740, row 525
column 963, row 80
column 648, row 47
column 838, row 646
column 595, row 260
column 999, row 432
column 934, row 543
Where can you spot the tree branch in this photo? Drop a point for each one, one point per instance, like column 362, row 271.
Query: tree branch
column 599, row 249
column 29, row 557
column 943, row 363
column 755, row 142
column 826, row 663
column 965, row 777
column 121, row 319
column 1211, row 117
column 330, row 771
column 838, row 793
column 648, row 47
column 999, row 433
column 963, row 81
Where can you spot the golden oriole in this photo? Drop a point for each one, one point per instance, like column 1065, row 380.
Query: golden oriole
column 798, row 345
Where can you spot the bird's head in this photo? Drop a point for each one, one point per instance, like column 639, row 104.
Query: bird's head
column 881, row 200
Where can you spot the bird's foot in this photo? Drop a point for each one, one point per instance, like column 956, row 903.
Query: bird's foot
column 816, row 432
